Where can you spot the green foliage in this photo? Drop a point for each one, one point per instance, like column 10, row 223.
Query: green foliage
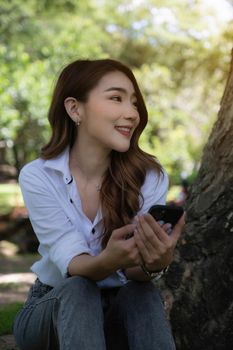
column 179, row 50
column 10, row 196
column 7, row 316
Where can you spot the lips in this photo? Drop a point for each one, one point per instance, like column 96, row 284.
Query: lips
column 124, row 130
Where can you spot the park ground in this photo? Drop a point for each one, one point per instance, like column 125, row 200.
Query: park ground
column 15, row 280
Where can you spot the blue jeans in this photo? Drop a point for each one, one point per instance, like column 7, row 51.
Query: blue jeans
column 77, row 315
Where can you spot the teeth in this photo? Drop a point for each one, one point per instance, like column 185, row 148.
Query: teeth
column 123, row 128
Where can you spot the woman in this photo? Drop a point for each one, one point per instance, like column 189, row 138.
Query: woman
column 88, row 196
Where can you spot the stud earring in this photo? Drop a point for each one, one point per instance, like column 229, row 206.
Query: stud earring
column 78, row 122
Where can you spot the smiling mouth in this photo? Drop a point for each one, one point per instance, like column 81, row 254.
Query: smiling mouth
column 124, row 130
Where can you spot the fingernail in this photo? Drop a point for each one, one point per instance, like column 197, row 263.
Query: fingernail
column 161, row 222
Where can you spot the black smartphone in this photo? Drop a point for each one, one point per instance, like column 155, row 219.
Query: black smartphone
column 166, row 213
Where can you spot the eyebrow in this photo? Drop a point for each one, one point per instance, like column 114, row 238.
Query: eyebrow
column 116, row 88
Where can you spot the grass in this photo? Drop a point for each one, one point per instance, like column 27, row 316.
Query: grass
column 10, row 197
column 7, row 316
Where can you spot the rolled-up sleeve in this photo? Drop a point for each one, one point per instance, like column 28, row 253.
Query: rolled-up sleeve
column 50, row 219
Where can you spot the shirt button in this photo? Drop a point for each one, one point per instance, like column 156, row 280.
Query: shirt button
column 93, row 231
column 71, row 200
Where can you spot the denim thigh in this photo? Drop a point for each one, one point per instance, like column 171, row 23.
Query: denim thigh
column 34, row 330
column 62, row 317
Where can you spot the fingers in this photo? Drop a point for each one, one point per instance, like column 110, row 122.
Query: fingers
column 147, row 240
column 131, row 252
column 167, row 228
column 157, row 229
column 122, row 247
column 178, row 229
column 154, row 243
column 141, row 246
column 167, row 232
column 124, row 232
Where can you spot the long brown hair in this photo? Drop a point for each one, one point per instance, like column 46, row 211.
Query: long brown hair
column 120, row 192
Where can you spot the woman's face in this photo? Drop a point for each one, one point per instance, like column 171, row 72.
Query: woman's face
column 110, row 115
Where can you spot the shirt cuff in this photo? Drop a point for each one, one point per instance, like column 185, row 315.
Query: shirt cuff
column 62, row 254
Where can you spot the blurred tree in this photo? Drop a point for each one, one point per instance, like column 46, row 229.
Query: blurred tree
column 201, row 278
column 31, row 50
column 178, row 50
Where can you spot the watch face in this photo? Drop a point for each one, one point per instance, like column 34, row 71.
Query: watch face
column 153, row 275
column 156, row 274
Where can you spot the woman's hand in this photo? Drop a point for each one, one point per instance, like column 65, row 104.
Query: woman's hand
column 121, row 251
column 155, row 245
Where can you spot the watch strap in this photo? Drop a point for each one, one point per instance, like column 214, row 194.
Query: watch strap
column 155, row 275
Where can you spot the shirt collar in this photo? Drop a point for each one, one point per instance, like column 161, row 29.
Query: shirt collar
column 61, row 164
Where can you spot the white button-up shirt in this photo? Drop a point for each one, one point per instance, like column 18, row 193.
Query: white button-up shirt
column 63, row 230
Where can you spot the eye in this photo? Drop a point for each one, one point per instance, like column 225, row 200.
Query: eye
column 135, row 103
column 116, row 98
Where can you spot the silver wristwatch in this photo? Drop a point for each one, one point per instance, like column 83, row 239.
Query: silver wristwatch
column 155, row 275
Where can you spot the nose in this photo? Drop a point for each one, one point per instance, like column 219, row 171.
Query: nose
column 131, row 112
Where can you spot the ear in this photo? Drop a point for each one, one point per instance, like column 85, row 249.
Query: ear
column 72, row 108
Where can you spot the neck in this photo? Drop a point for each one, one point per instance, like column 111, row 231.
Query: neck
column 91, row 163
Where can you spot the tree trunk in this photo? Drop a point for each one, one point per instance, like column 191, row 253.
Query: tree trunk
column 200, row 280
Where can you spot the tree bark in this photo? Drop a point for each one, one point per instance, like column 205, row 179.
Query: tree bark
column 200, row 280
